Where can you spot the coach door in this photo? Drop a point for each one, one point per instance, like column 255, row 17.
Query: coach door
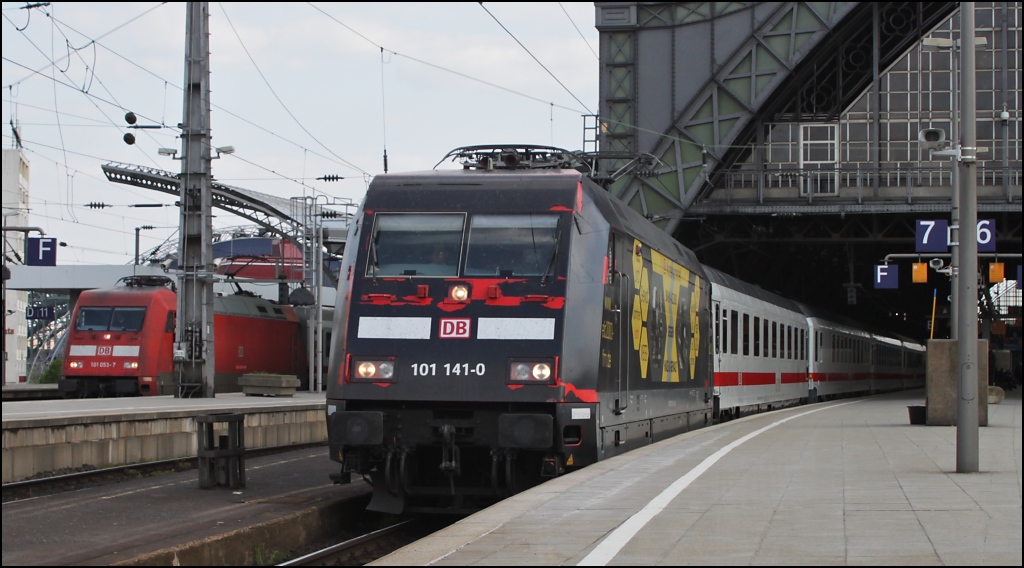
column 622, row 308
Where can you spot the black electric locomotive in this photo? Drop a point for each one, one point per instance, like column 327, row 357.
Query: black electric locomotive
column 504, row 323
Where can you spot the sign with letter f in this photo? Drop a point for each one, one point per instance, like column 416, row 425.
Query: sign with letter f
column 887, row 277
column 42, row 251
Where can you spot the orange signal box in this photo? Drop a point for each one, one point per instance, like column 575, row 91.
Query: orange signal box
column 995, row 272
column 919, row 272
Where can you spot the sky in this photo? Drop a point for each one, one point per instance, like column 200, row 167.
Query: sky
column 300, row 90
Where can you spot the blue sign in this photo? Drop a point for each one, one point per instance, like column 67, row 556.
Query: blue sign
column 39, row 313
column 986, row 235
column 887, row 277
column 42, row 251
column 1018, row 277
column 932, row 236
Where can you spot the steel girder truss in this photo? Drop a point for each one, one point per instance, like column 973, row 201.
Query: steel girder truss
column 781, row 60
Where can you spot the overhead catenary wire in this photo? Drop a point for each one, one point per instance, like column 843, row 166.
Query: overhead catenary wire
column 596, row 56
column 440, row 67
column 178, row 87
column 278, row 98
column 96, row 40
column 75, row 77
column 527, row 50
column 60, row 131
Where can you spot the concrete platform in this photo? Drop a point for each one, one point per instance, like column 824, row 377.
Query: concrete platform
column 838, row 483
column 42, row 437
column 29, row 391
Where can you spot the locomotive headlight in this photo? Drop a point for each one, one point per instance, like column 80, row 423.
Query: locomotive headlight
column 520, row 372
column 459, row 293
column 106, row 336
column 533, row 372
column 367, row 370
column 374, row 369
column 541, row 371
column 131, row 364
column 75, row 365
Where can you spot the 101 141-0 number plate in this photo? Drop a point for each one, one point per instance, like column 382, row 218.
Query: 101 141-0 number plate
column 448, row 369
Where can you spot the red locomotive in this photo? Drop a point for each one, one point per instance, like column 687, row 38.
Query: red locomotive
column 120, row 342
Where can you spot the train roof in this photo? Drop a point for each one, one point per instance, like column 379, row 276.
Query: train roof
column 879, row 333
column 719, row 278
column 471, row 177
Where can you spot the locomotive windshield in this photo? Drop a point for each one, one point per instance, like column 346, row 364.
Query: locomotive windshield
column 407, row 244
column 416, row 244
column 110, row 319
column 511, row 245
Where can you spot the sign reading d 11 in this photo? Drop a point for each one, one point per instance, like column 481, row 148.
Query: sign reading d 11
column 933, row 236
column 39, row 313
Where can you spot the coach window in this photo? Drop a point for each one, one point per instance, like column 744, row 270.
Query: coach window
column 775, row 339
column 725, row 331
column 764, row 351
column 757, row 336
column 746, row 334
column 407, row 244
column 734, row 322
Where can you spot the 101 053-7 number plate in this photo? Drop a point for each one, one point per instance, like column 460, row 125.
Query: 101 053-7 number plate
column 448, row 369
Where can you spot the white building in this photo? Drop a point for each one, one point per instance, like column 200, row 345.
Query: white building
column 15, row 214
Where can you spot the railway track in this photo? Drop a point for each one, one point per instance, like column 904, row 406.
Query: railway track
column 375, row 544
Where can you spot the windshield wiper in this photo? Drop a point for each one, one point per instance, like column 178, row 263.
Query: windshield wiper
column 554, row 255
column 374, row 263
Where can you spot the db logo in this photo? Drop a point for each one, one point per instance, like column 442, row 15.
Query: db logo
column 454, row 329
column 104, row 351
